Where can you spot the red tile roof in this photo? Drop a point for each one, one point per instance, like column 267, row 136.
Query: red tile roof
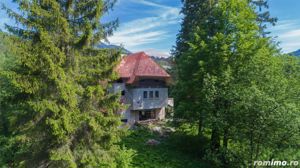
column 139, row 65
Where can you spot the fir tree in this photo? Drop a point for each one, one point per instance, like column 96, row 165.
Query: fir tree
column 60, row 111
column 263, row 16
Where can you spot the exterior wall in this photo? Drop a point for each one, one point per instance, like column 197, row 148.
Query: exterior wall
column 134, row 99
column 171, row 102
column 118, row 87
column 134, row 117
column 146, row 83
column 126, row 114
column 161, row 113
column 139, row 103
column 131, row 116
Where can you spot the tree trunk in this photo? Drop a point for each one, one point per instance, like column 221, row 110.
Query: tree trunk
column 251, row 149
column 200, row 127
column 225, row 138
column 4, row 125
column 215, row 139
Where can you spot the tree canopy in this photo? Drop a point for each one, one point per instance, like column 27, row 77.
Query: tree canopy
column 58, row 111
column 232, row 81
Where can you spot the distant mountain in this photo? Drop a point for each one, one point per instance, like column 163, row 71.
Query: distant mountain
column 295, row 53
column 166, row 63
column 103, row 45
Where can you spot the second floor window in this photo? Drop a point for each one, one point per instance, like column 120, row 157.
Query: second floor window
column 156, row 94
column 151, row 94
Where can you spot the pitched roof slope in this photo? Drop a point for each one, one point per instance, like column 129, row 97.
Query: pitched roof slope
column 139, row 65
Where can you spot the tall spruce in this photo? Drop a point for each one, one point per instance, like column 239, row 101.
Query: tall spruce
column 59, row 109
column 226, row 82
column 193, row 16
column 264, row 17
column 195, row 13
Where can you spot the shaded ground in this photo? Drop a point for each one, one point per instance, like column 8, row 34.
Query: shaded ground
column 174, row 151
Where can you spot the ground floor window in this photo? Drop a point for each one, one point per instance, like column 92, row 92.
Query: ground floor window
column 147, row 114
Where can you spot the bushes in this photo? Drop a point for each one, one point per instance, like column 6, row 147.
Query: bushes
column 173, row 151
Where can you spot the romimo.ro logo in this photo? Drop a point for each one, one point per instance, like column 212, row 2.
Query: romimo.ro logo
column 275, row 163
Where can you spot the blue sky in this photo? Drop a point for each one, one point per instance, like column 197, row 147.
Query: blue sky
column 152, row 25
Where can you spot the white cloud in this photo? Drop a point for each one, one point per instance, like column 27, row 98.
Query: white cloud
column 290, row 44
column 157, row 53
column 288, row 34
column 136, row 33
column 284, row 25
column 137, row 39
column 148, row 3
column 139, row 25
column 289, row 40
column 292, row 33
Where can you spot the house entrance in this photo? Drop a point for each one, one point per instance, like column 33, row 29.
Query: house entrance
column 147, row 114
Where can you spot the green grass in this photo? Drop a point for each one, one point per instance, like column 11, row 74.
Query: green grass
column 174, row 151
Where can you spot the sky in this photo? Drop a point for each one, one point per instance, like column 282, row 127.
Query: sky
column 152, row 25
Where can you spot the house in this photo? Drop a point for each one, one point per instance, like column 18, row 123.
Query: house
column 143, row 85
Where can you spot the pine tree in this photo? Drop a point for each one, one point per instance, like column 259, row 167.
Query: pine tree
column 193, row 16
column 60, row 111
column 263, row 16
column 195, row 13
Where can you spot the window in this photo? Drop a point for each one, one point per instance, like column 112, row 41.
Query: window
column 123, row 93
column 119, row 80
column 151, row 94
column 156, row 94
column 145, row 94
column 148, row 114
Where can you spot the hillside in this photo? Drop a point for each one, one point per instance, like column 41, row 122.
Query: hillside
column 295, row 53
column 166, row 63
column 111, row 46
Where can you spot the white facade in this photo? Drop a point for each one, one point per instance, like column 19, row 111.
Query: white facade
column 149, row 98
column 142, row 103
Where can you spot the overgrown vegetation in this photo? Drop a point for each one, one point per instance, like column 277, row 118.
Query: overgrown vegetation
column 233, row 81
column 174, row 150
column 236, row 94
